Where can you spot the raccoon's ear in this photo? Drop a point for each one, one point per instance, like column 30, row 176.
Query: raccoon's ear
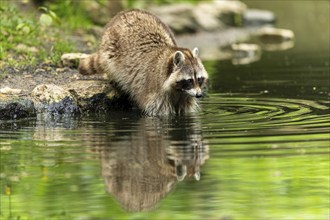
column 178, row 58
column 195, row 52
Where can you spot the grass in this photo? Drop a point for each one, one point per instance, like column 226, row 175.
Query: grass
column 40, row 35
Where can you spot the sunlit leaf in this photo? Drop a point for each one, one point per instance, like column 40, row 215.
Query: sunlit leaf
column 20, row 26
column 44, row 9
column 45, row 20
column 54, row 17
column 24, row 28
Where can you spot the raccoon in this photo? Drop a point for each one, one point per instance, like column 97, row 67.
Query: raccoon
column 139, row 54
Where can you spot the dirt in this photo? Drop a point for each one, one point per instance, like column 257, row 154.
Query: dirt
column 28, row 78
column 17, row 101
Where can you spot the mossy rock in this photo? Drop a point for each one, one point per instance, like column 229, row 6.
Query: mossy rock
column 50, row 98
column 13, row 108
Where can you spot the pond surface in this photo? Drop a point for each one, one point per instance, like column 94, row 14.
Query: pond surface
column 259, row 149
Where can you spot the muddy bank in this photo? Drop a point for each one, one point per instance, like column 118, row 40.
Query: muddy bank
column 67, row 93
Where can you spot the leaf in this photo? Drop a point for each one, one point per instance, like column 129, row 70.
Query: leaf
column 45, row 20
column 26, row 29
column 23, row 28
column 20, row 26
column 54, row 17
column 44, row 9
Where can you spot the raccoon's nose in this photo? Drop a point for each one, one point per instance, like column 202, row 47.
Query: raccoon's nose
column 199, row 95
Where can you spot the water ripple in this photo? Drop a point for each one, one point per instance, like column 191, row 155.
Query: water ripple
column 265, row 112
column 241, row 124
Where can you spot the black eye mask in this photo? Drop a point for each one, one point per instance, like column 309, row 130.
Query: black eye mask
column 186, row 84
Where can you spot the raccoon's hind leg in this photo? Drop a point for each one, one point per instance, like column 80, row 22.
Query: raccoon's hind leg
column 89, row 65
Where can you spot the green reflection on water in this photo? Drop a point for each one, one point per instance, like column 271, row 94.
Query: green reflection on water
column 54, row 174
column 275, row 187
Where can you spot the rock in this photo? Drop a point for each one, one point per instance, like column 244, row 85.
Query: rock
column 245, row 53
column 49, row 93
column 82, row 96
column 10, row 91
column 256, row 17
column 101, row 103
column 178, row 16
column 39, row 71
column 16, row 108
column 54, row 99
column 85, row 89
column 97, row 96
column 217, row 15
column 66, row 106
column 24, row 48
column 62, row 70
column 205, row 16
column 272, row 39
column 72, row 59
column 275, row 35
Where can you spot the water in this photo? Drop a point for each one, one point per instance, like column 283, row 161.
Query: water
column 259, row 149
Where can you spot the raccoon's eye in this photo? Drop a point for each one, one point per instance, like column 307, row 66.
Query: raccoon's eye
column 187, row 83
column 200, row 80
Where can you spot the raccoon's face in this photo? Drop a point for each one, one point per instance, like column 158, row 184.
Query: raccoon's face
column 188, row 73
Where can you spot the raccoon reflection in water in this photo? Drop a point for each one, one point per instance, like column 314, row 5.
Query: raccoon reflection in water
column 143, row 165
column 139, row 54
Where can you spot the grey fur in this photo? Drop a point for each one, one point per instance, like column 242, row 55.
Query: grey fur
column 139, row 53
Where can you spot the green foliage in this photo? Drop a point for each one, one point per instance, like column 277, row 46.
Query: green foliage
column 48, row 17
column 29, row 38
column 58, row 49
column 70, row 11
column 14, row 30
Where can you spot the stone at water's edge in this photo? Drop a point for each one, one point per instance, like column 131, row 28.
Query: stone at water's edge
column 54, row 99
column 85, row 89
column 97, row 96
column 82, row 96
column 257, row 17
column 16, row 108
column 49, row 93
column 203, row 16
